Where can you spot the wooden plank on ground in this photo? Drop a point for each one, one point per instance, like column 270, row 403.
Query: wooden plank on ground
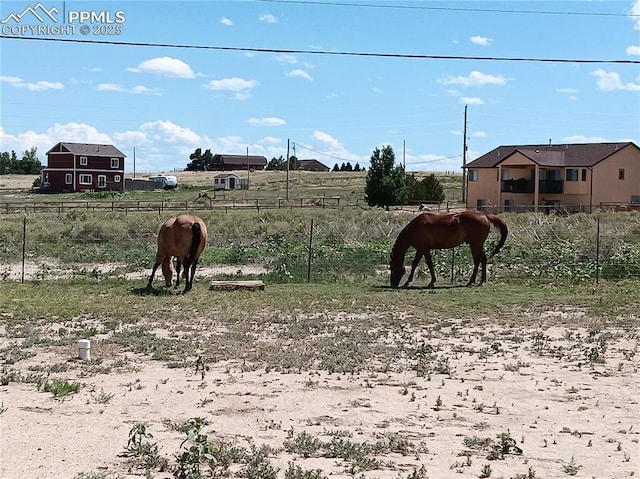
column 254, row 285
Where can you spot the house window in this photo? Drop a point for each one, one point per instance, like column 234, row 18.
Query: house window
column 584, row 174
column 473, row 175
column 116, row 178
column 68, row 178
column 635, row 199
column 85, row 179
column 505, row 174
column 102, row 181
column 621, row 174
column 572, row 174
column 83, row 161
column 115, row 162
column 481, row 205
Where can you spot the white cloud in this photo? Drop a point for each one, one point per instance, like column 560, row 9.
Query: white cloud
column 143, row 90
column 567, row 90
column 633, row 50
column 634, row 14
column 268, row 18
column 232, row 84
column 239, row 86
column 483, row 41
column 37, row 86
column 43, row 141
column 609, row 81
column 299, row 73
column 475, row 78
column 479, row 134
column 226, row 21
column 269, row 121
column 287, row 58
column 468, row 100
column 165, row 66
column 584, row 139
column 139, row 89
column 327, row 139
column 109, row 87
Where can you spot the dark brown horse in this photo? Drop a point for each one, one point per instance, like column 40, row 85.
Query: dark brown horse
column 184, row 237
column 429, row 231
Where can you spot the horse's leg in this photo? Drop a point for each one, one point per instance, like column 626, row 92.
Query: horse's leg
column 414, row 265
column 483, row 262
column 167, row 271
column 477, row 254
column 178, row 266
column 432, row 272
column 189, row 276
column 153, row 272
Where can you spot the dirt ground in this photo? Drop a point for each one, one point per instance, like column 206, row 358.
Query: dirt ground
column 567, row 416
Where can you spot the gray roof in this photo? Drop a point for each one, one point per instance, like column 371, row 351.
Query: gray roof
column 564, row 156
column 241, row 159
column 87, row 149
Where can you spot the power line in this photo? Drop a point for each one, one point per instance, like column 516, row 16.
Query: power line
column 449, row 9
column 318, row 52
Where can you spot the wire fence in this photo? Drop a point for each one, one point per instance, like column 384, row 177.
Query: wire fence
column 315, row 251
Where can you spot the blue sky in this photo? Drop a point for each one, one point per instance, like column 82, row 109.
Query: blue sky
column 296, row 73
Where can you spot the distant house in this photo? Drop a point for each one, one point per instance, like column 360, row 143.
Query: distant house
column 239, row 162
column 75, row 167
column 546, row 177
column 228, row 181
column 312, row 165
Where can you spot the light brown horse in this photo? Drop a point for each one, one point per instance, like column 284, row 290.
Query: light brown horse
column 429, row 231
column 184, row 237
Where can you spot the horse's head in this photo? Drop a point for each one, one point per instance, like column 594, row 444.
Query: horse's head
column 397, row 271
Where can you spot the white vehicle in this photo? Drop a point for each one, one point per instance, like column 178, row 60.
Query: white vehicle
column 168, row 182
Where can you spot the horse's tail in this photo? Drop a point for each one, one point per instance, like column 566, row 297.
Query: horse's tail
column 196, row 236
column 502, row 226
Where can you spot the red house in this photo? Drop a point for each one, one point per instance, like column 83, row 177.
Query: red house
column 75, row 167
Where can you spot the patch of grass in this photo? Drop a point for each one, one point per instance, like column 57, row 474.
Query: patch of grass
column 60, row 387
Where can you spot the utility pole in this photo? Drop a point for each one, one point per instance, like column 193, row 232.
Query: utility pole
column 134, row 161
column 248, row 169
column 287, row 170
column 404, row 155
column 464, row 158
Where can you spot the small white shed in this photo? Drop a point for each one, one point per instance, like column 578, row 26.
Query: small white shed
column 227, row 181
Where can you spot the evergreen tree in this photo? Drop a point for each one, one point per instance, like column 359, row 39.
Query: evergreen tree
column 203, row 161
column 335, row 167
column 357, row 167
column 428, row 189
column 348, row 167
column 28, row 165
column 277, row 164
column 386, row 184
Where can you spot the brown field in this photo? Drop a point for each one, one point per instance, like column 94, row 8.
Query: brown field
column 318, row 381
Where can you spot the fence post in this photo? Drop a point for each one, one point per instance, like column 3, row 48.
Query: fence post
column 453, row 255
column 310, row 252
column 24, row 243
column 597, row 251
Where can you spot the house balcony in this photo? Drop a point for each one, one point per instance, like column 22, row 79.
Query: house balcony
column 550, row 186
column 517, row 186
column 527, row 186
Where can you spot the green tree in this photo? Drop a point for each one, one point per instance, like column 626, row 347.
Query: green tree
column 294, row 164
column 386, row 183
column 202, row 161
column 28, row 165
column 335, row 167
column 428, row 189
column 277, row 164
